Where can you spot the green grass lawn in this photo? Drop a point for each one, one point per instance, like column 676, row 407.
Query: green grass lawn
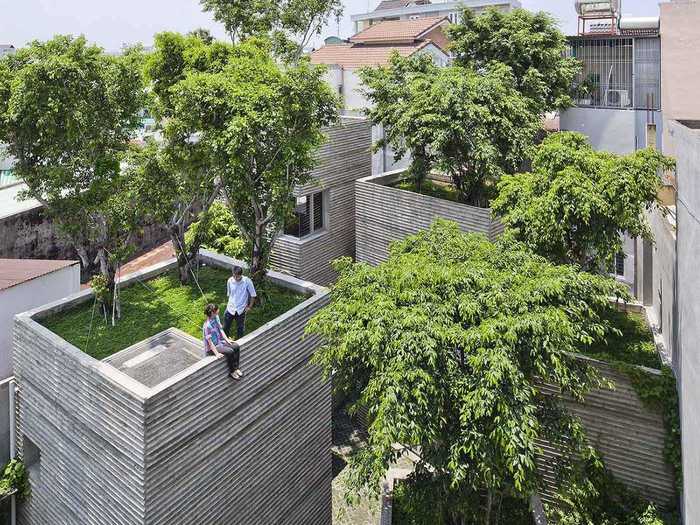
column 161, row 304
column 635, row 346
column 431, row 188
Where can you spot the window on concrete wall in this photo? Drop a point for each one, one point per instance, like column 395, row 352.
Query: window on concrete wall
column 620, row 265
column 32, row 458
column 309, row 216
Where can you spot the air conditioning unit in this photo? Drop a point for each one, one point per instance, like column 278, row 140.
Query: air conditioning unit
column 618, row 98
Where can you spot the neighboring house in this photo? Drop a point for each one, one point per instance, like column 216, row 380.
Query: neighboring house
column 6, row 49
column 26, row 284
column 6, row 177
column 413, row 9
column 619, row 89
column 670, row 286
column 680, row 76
column 373, row 47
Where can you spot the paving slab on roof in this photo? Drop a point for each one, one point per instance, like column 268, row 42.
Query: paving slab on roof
column 18, row 271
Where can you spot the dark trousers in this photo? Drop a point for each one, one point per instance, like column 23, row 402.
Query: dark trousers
column 232, row 353
column 240, row 323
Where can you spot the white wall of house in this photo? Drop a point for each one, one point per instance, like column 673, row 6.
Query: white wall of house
column 27, row 296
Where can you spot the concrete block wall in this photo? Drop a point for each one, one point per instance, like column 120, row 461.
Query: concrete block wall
column 628, row 434
column 384, row 214
column 344, row 158
column 195, row 449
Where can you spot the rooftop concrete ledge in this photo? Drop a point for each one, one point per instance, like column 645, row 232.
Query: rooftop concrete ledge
column 196, row 447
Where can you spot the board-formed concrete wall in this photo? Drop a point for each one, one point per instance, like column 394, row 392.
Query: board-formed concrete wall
column 629, row 435
column 384, row 214
column 344, row 158
column 195, row 449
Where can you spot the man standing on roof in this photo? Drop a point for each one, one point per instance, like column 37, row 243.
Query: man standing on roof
column 241, row 296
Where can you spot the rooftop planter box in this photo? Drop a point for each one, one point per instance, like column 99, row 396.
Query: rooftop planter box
column 158, row 433
column 384, row 214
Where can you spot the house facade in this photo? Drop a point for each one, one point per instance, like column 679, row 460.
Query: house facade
column 413, row 9
column 374, row 46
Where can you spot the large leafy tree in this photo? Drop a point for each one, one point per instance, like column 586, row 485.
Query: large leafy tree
column 576, row 203
column 260, row 124
column 447, row 345
column 530, row 43
column 67, row 113
column 293, row 22
column 473, row 126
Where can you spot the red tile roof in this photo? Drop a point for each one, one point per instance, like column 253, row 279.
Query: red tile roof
column 351, row 56
column 397, row 31
column 18, row 271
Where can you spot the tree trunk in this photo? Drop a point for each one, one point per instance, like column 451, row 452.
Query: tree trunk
column 184, row 262
column 108, row 271
column 258, row 263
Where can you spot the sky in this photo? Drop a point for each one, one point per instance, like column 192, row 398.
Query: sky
column 112, row 23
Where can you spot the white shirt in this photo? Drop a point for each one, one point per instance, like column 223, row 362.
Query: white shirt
column 239, row 292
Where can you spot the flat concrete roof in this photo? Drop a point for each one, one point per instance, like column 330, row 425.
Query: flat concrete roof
column 18, row 271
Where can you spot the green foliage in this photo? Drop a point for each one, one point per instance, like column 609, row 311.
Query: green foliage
column 576, row 203
column 416, row 502
column 430, row 188
column 447, row 343
column 598, row 498
column 473, row 126
column 531, row 44
column 217, row 231
column 258, row 126
column 163, row 303
column 14, row 477
column 100, row 288
column 632, row 341
column 67, row 113
column 290, row 23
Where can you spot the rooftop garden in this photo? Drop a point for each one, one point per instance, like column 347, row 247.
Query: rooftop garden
column 431, row 188
column 152, row 306
column 633, row 345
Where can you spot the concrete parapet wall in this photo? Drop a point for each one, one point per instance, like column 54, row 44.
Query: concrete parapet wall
column 197, row 448
column 629, row 435
column 384, row 214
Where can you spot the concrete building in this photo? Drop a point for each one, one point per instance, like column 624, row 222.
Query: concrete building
column 413, row 9
column 6, row 49
column 26, row 284
column 680, row 76
column 323, row 228
column 373, row 47
column 158, row 434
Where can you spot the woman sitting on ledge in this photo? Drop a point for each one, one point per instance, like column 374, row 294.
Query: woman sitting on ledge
column 217, row 343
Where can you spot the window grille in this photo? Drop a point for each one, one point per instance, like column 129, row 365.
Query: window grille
column 606, row 79
column 308, row 216
column 620, row 264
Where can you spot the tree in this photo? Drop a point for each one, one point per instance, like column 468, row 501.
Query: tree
column 285, row 21
column 67, row 113
column 448, row 344
column 203, row 34
column 530, row 43
column 576, row 203
column 261, row 124
column 473, row 126
column 173, row 190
